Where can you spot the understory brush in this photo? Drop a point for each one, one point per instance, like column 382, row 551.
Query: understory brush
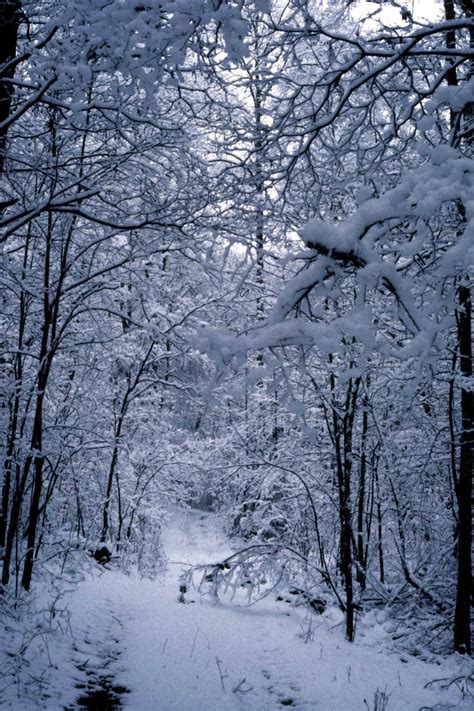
column 36, row 635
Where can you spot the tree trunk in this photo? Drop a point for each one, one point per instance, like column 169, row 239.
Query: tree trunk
column 15, row 408
column 10, row 12
column 462, row 617
column 462, row 622
column 361, row 499
column 342, row 432
column 45, row 359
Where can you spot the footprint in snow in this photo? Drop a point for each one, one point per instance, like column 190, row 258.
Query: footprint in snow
column 285, row 697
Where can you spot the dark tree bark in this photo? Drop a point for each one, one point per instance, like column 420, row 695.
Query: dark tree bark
column 462, row 615
column 462, row 621
column 14, row 409
column 46, row 354
column 379, row 524
column 10, row 12
column 361, row 494
column 342, row 436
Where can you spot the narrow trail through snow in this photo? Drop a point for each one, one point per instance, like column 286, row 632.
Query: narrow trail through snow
column 216, row 657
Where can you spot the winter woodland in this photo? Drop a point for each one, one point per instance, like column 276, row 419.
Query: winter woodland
column 236, row 395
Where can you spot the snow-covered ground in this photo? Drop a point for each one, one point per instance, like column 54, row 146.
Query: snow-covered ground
column 220, row 657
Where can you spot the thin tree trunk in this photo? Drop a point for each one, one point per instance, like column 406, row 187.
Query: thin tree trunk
column 15, row 408
column 45, row 360
column 343, row 431
column 379, row 528
column 115, row 452
column 361, row 498
column 14, row 522
column 111, row 474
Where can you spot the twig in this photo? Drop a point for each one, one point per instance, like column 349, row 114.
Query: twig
column 222, row 676
column 194, row 642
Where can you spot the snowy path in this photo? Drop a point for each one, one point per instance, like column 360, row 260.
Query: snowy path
column 204, row 657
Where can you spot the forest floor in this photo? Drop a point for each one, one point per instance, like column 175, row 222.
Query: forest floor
column 130, row 643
